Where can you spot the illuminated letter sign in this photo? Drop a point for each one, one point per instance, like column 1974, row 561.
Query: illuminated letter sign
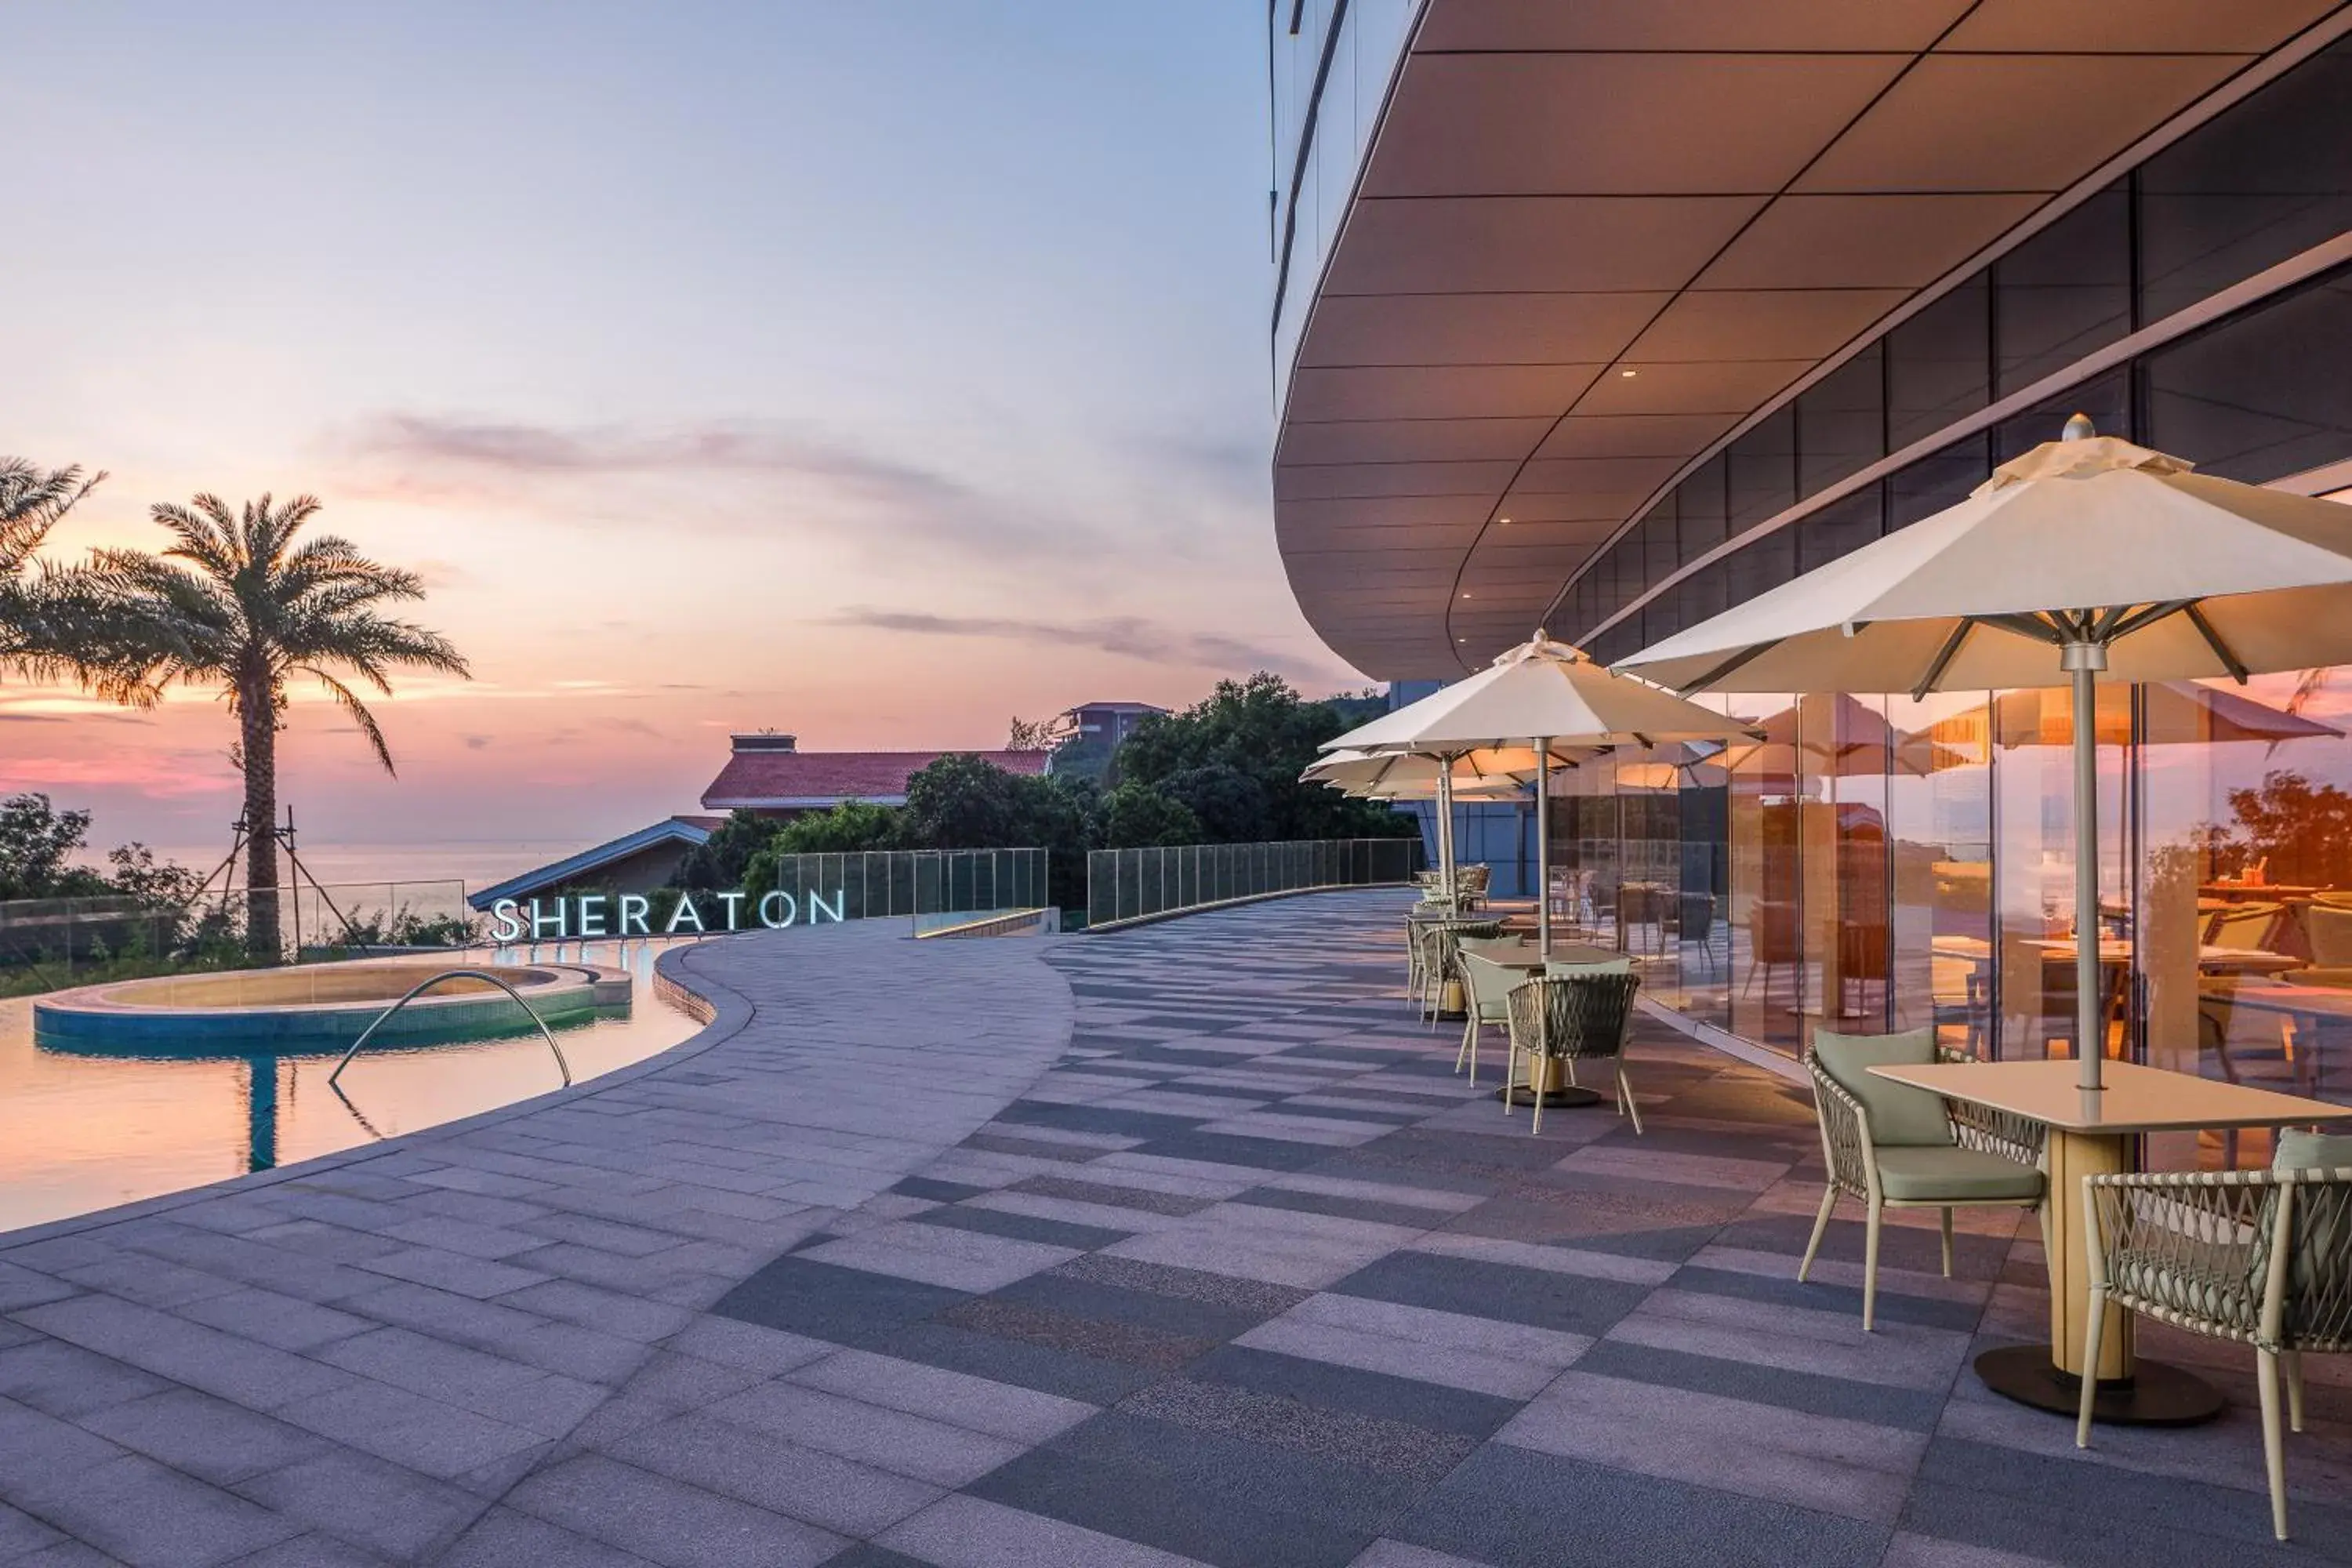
column 588, row 916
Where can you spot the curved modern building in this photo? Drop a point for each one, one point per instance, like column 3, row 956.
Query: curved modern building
column 1606, row 316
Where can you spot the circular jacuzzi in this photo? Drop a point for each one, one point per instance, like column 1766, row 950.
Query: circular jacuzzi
column 318, row 1009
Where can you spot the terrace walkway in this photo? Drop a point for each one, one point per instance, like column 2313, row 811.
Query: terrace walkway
column 1178, row 1245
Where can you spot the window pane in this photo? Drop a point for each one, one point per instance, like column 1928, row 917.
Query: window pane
column 1661, row 553
column 1699, row 509
column 2271, row 177
column 1929, row 485
column 1838, row 529
column 2064, row 292
column 1764, row 471
column 1938, row 366
column 1706, row 592
column 1840, row 423
column 2105, row 399
column 2263, row 394
column 1767, row 563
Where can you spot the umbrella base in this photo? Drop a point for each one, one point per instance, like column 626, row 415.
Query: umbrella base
column 2156, row 1394
column 1565, row 1098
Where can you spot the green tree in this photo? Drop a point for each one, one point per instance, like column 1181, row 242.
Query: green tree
column 36, row 846
column 1264, row 730
column 718, row 861
column 236, row 603
column 58, row 622
column 2303, row 830
column 1138, row 816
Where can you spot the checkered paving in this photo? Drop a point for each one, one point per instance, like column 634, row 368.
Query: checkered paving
column 1180, row 1246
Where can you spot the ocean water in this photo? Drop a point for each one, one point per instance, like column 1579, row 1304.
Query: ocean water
column 476, row 862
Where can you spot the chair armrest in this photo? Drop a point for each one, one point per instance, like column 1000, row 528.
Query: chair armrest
column 2196, row 1245
column 1992, row 1132
column 1846, row 1146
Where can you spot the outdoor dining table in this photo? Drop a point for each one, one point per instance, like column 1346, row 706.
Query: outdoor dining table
column 1550, row 1076
column 2096, row 1132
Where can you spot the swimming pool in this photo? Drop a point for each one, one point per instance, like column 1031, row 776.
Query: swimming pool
column 85, row 1124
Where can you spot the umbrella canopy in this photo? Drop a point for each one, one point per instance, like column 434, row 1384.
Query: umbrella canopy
column 2090, row 540
column 1863, row 741
column 2088, row 556
column 1541, row 691
column 1545, row 695
column 1510, row 767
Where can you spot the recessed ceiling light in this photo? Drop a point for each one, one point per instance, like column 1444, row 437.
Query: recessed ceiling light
column 1465, row 595
column 1629, row 374
column 1504, row 521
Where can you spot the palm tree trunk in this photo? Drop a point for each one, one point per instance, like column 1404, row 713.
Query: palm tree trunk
column 258, row 743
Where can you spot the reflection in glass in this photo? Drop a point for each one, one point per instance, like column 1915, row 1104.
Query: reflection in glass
column 1763, row 470
column 1938, row 364
column 2262, row 395
column 1841, row 422
column 1939, row 821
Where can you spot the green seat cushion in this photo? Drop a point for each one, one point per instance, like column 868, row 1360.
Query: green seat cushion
column 1900, row 1115
column 2301, row 1150
column 1943, row 1173
column 1490, row 985
column 2213, row 1284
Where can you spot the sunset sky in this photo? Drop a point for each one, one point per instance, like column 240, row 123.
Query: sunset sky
column 875, row 372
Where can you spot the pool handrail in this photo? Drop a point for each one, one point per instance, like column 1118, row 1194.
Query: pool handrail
column 423, row 985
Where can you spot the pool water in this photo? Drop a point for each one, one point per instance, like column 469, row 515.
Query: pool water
column 81, row 1133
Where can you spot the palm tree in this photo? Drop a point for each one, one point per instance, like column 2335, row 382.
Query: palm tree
column 54, row 621
column 251, row 607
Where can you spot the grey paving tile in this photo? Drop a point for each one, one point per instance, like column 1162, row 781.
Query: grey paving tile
column 824, row 1300
column 1375, row 1394
column 409, row 1429
column 1366, row 1442
column 937, row 1191
column 1228, row 1149
column 983, row 1405
column 314, row 1550
column 143, row 1512
column 209, row 1438
column 65, row 1380
column 751, row 1346
column 668, row 1520
column 865, row 1554
column 808, row 1484
column 1266, row 1477
column 1479, row 1288
column 1893, row 1305
column 289, row 1322
column 887, row 1440
column 1025, row 1363
column 1112, row 1194
column 1517, row 1508
column 1076, row 1295
column 961, row 1531
column 1901, row 1408
column 1024, row 1227
column 21, row 1534
column 1255, row 1299
column 366, row 1502
column 172, row 1348
column 1153, row 1508
column 504, row 1538
column 2101, row 1516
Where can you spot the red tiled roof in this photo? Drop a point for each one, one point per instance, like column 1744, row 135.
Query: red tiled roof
column 804, row 778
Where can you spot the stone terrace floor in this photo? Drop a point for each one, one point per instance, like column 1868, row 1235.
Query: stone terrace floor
column 1180, row 1246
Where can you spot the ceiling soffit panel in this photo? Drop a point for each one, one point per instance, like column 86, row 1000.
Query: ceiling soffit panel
column 1427, row 392
column 1496, row 329
column 1906, row 26
column 1715, row 195
column 2087, row 109
column 1774, row 323
column 1632, row 124
column 1470, row 245
column 2143, row 26
column 1408, row 440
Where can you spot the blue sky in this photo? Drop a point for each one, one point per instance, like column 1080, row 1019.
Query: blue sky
column 877, row 371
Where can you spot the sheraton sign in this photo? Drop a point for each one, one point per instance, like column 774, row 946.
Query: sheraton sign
column 632, row 914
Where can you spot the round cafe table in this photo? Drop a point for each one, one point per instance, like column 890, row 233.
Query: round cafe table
column 2097, row 1133
column 1548, row 1078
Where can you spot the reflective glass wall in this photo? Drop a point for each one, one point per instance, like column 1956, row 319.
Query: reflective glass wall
column 1870, row 862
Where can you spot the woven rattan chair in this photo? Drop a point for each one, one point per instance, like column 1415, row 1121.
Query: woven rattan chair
column 1573, row 1018
column 1486, row 992
column 1438, row 964
column 2263, row 1257
column 1894, row 1146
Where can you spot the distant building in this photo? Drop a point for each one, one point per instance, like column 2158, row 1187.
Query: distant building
column 1108, row 722
column 634, row 863
column 770, row 775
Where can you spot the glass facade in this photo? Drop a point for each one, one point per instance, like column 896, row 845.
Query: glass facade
column 1872, row 862
column 1330, row 63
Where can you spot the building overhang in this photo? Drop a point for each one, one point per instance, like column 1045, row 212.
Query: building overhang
column 1591, row 242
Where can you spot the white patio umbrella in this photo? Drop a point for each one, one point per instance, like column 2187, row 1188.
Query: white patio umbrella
column 2087, row 555
column 1546, row 696
column 1486, row 773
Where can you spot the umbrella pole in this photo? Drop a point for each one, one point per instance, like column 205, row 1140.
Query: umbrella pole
column 2083, row 660
column 1446, row 825
column 1543, row 846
